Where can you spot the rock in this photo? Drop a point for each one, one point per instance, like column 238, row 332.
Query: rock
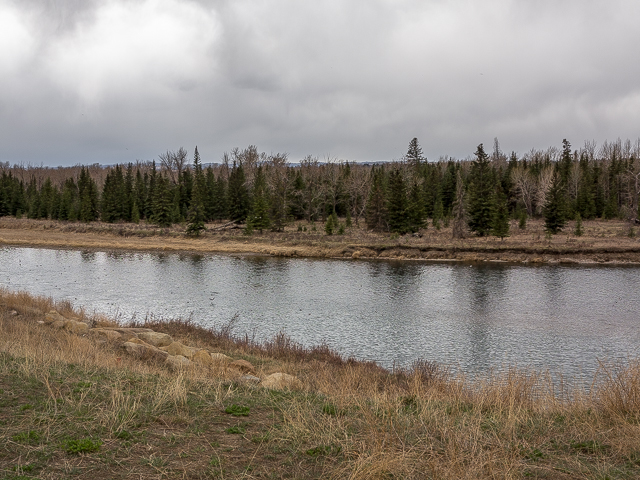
column 53, row 316
column 144, row 350
column 134, row 349
column 156, row 338
column 220, row 358
column 79, row 328
column 243, row 366
column 202, row 357
column 176, row 348
column 128, row 331
column 110, row 335
column 281, row 381
column 13, row 313
column 59, row 323
column 139, row 342
column 249, row 379
column 177, row 362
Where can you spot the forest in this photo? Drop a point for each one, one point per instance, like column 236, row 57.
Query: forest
column 478, row 195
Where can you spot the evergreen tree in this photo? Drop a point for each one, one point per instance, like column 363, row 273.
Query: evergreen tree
column 127, row 191
column 221, row 205
column 564, row 165
column 140, row 193
column 151, row 192
column 414, row 154
column 481, row 198
column 135, row 213
column 376, row 209
column 330, row 225
column 500, row 227
column 259, row 217
column 522, row 221
column 68, row 209
column 162, row 204
column 585, row 201
column 416, row 211
column 296, row 197
column 238, row 195
column 397, row 203
column 554, row 212
column 88, row 197
column 197, row 213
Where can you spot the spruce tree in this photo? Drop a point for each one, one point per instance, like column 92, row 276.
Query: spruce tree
column 500, row 227
column 553, row 209
column 259, row 218
column 414, row 155
column 162, row 204
column 376, row 208
column 397, row 203
column 416, row 212
column 481, row 198
column 196, row 214
column 238, row 195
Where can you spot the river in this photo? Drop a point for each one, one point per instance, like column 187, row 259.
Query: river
column 475, row 318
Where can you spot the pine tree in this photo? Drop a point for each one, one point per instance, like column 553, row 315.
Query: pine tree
column 554, row 213
column 376, row 209
column 501, row 216
column 522, row 223
column 162, row 204
column 238, row 195
column 481, row 198
column 397, row 203
column 416, row 211
column 414, row 155
column 196, row 214
column 259, row 218
column 88, row 197
column 329, row 225
column 135, row 213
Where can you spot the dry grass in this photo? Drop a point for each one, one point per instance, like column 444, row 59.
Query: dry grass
column 353, row 420
column 603, row 241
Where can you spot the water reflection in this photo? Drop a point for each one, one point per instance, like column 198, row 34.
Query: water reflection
column 476, row 317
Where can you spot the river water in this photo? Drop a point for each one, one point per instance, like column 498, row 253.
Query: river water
column 475, row 318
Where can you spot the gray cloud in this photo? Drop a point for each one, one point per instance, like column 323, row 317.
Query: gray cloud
column 116, row 81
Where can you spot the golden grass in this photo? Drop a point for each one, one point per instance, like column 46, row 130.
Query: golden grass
column 603, row 241
column 353, row 419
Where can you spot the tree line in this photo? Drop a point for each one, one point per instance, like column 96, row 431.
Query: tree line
column 479, row 194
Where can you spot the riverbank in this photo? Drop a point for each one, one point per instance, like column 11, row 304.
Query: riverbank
column 602, row 242
column 72, row 406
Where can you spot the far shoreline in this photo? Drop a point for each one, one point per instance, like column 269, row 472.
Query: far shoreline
column 604, row 242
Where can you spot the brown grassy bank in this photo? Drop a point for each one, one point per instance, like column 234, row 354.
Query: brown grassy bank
column 602, row 242
column 74, row 408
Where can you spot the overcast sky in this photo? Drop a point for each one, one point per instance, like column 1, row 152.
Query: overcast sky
column 112, row 81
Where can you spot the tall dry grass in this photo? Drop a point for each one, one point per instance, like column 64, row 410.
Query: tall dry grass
column 365, row 421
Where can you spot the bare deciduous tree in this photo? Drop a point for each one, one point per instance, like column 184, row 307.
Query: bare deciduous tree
column 525, row 185
column 174, row 163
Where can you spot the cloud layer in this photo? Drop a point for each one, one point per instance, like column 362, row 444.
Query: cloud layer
column 116, row 81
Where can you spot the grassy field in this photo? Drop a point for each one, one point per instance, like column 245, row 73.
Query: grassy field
column 71, row 407
column 603, row 241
